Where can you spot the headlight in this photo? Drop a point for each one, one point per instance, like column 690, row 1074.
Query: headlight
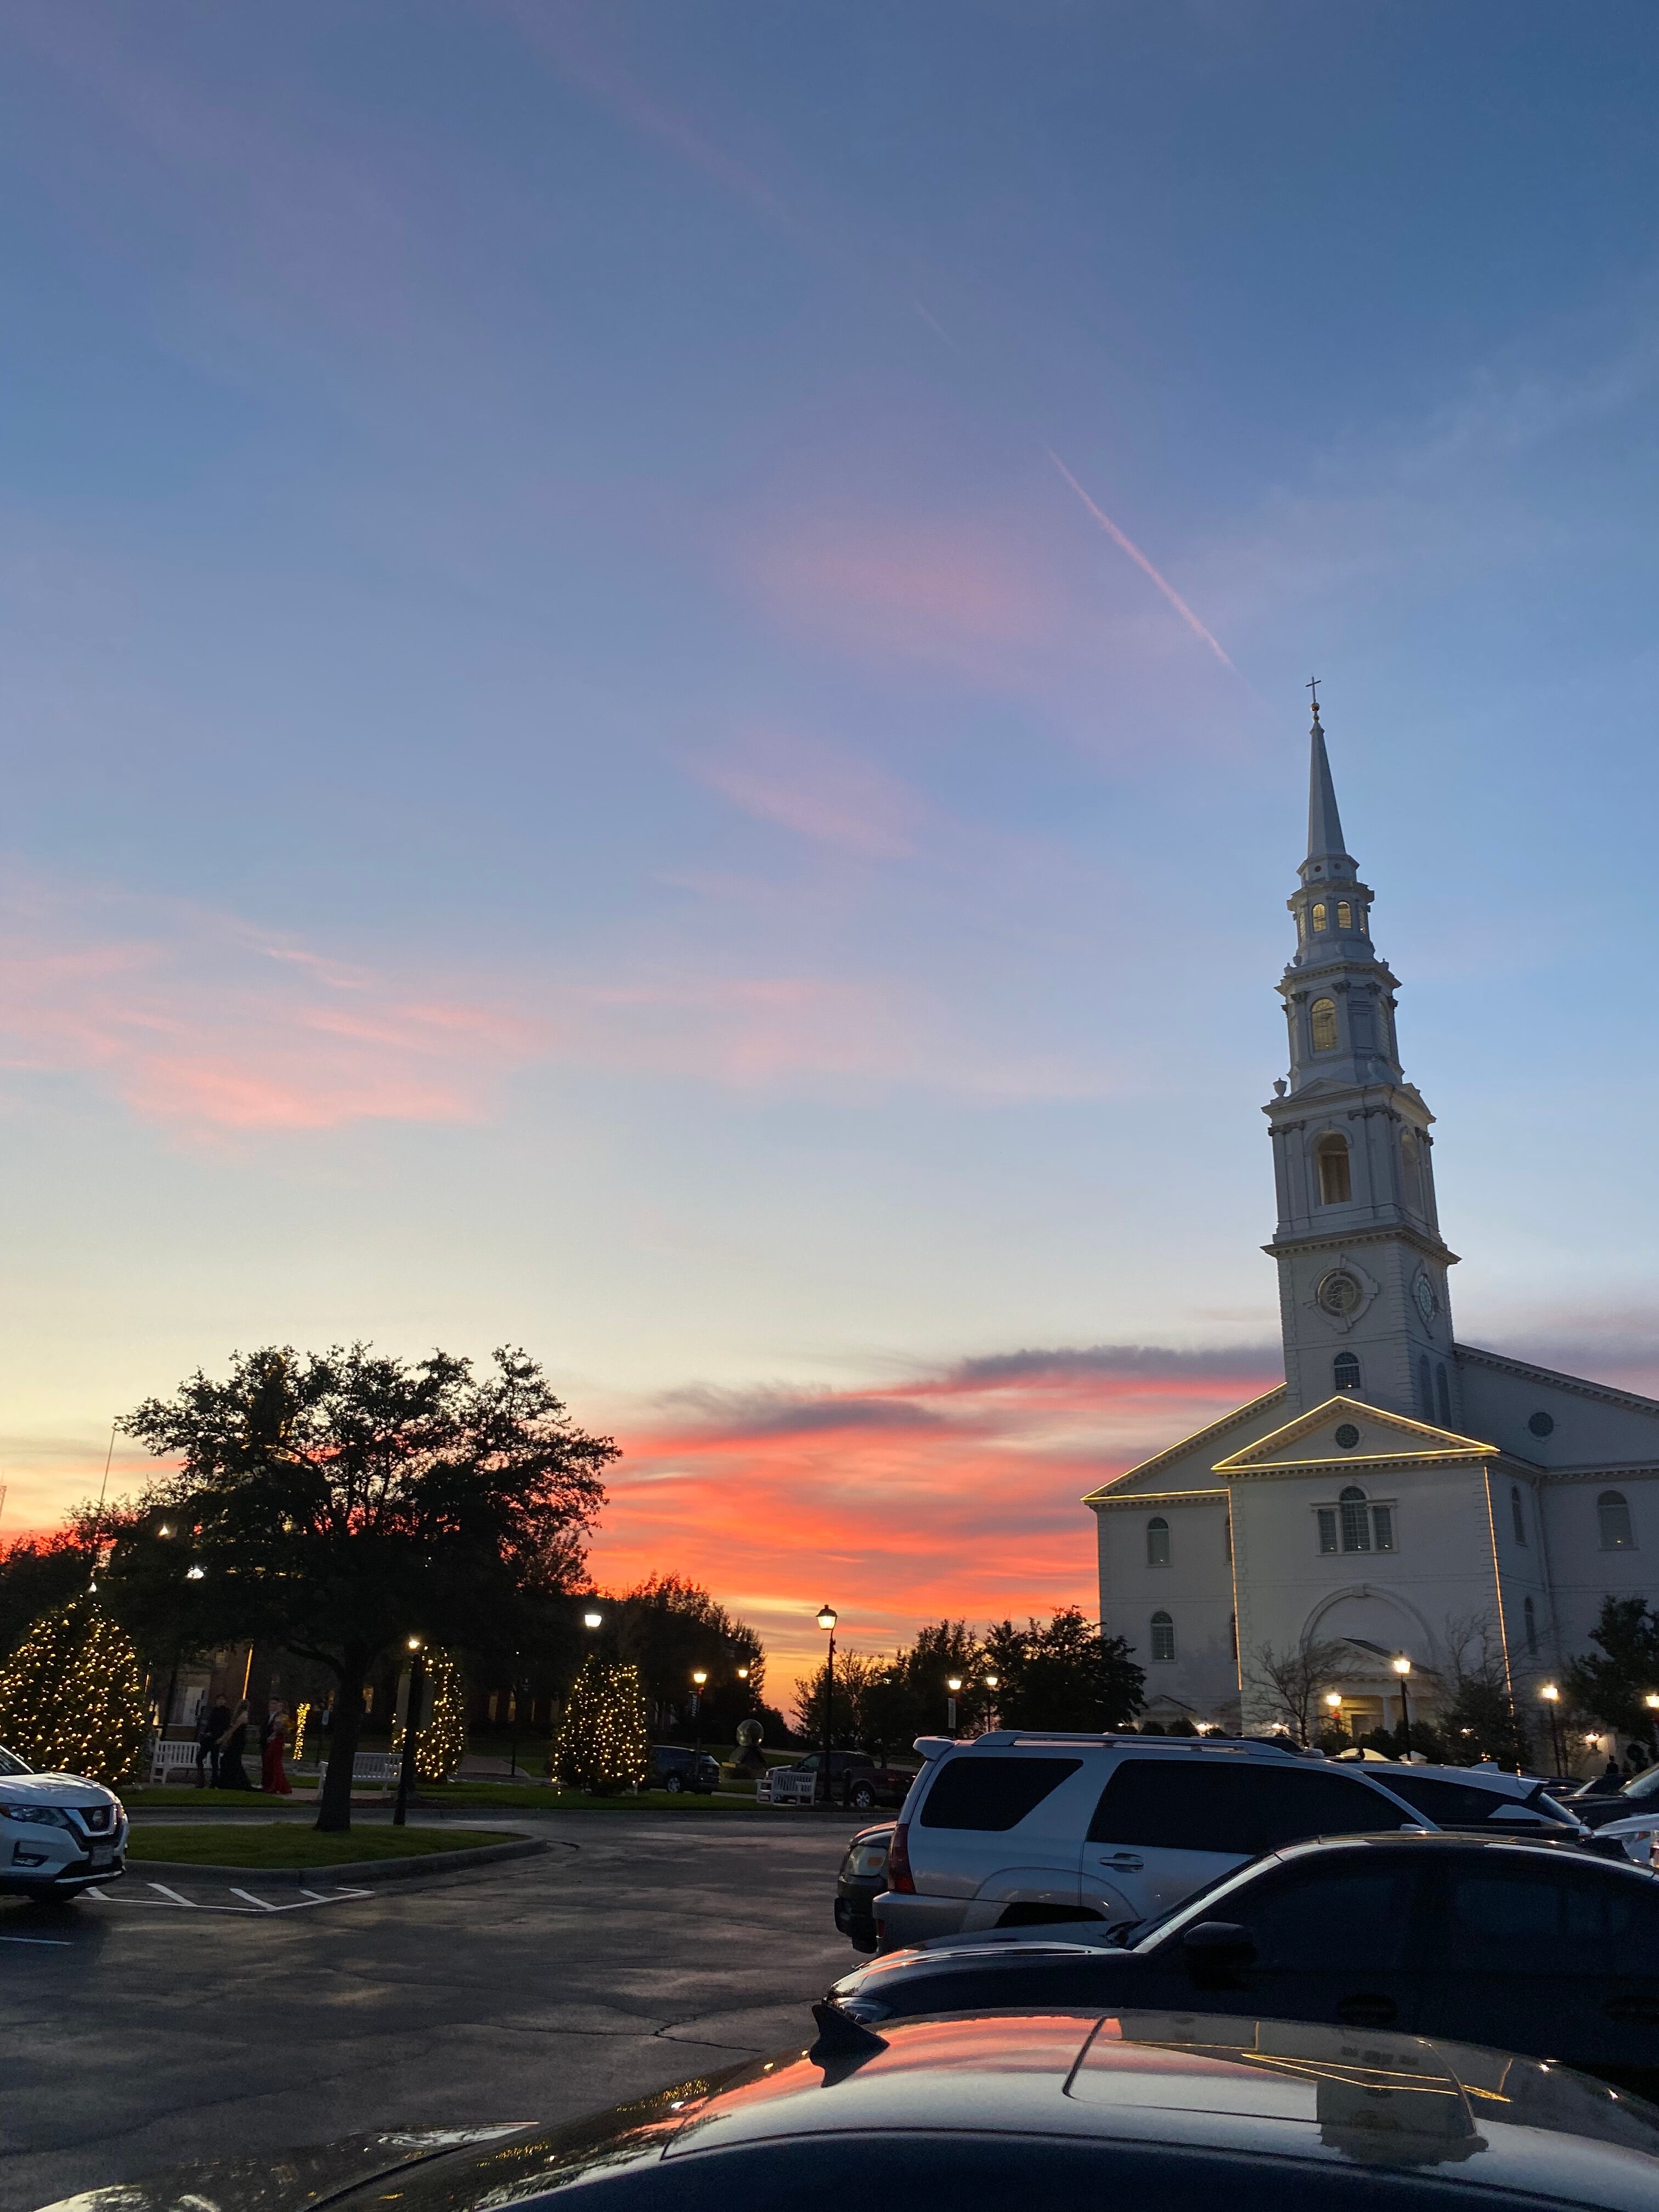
column 43, row 1816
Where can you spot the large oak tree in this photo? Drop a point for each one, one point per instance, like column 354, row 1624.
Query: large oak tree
column 339, row 1502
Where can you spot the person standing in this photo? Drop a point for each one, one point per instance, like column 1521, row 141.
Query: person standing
column 211, row 1724
column 232, row 1775
column 271, row 1776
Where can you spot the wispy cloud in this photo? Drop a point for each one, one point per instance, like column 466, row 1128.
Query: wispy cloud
column 826, row 795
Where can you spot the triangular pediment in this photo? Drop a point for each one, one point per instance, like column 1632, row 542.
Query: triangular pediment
column 1345, row 1430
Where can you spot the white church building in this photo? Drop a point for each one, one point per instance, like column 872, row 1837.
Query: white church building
column 1400, row 1489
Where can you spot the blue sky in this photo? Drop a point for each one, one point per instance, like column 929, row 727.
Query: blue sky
column 581, row 767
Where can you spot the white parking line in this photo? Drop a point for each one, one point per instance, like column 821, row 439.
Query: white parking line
column 172, row 1894
column 166, row 1899
column 252, row 1899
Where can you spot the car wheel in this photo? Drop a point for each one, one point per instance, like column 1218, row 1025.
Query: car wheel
column 864, row 1798
column 674, row 1784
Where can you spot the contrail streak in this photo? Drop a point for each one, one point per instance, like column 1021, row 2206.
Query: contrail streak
column 1128, row 546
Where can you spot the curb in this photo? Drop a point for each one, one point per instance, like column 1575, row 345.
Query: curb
column 354, row 1870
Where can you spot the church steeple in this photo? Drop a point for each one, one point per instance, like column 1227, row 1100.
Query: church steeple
column 1362, row 1265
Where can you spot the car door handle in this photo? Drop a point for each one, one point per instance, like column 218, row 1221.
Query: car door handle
column 1367, row 2008
column 1122, row 1859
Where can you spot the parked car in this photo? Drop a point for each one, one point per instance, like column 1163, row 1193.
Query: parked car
column 856, row 1780
column 1180, row 2113
column 1534, row 1946
column 677, row 1766
column 1023, row 1827
column 862, row 1878
column 1632, row 1813
column 1483, row 1797
column 58, row 1833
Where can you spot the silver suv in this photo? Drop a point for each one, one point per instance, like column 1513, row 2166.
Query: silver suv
column 59, row 1832
column 1024, row 1826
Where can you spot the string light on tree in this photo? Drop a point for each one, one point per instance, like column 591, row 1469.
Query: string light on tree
column 72, row 1696
column 441, row 1745
column 602, row 1744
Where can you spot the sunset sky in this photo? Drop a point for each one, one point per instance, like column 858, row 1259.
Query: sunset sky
column 652, row 706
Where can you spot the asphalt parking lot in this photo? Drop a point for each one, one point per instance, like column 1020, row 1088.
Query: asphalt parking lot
column 640, row 1950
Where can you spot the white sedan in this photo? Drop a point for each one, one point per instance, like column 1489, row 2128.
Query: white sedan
column 58, row 1833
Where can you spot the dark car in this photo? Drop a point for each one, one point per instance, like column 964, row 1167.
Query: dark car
column 862, row 1878
column 1595, row 1807
column 857, row 1780
column 1531, row 1945
column 1182, row 2113
column 677, row 1766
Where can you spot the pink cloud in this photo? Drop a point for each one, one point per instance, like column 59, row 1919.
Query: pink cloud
column 952, row 1493
column 828, row 796
column 196, row 1020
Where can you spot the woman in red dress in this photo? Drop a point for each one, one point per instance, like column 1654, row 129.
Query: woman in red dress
column 271, row 1776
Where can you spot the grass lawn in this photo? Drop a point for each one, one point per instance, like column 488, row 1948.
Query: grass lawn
column 188, row 1798
column 518, row 1796
column 284, row 1846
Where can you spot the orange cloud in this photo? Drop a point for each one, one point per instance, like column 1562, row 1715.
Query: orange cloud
column 955, row 1493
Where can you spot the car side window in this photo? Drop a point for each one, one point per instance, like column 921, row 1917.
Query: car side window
column 1349, row 1920
column 1465, row 1804
column 1242, row 1810
column 990, row 1793
column 1547, row 1920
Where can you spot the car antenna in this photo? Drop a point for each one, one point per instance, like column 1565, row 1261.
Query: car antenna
column 840, row 2036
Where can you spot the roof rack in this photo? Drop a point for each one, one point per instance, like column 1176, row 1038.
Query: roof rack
column 931, row 1746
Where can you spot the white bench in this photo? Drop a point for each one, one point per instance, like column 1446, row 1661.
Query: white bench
column 369, row 1770
column 786, row 1785
column 169, row 1758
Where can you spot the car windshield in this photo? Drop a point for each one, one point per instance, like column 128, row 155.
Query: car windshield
column 1643, row 1785
column 10, row 1763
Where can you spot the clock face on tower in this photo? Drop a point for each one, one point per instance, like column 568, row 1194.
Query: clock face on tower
column 1339, row 1293
column 1428, row 1300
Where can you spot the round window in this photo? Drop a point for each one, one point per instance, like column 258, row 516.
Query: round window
column 1348, row 1436
column 1542, row 1425
column 1339, row 1293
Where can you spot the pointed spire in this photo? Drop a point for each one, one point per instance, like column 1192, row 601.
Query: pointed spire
column 1324, row 823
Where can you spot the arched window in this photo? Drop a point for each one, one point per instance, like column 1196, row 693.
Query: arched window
column 1344, row 915
column 1518, row 1517
column 1443, row 1391
column 1163, row 1637
column 1356, row 1522
column 1345, row 1371
column 1157, row 1541
column 1613, row 1511
column 1322, row 1017
column 1335, row 1176
column 1528, row 1613
column 1319, row 914
column 1425, row 1391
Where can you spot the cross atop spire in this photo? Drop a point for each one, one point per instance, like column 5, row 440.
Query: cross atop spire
column 1324, row 823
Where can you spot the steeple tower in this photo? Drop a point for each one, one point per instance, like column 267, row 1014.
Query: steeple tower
column 1362, row 1266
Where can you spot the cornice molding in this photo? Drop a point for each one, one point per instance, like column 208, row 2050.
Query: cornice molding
column 1216, row 1496
column 1395, row 1232
column 1579, row 1384
column 1197, row 1437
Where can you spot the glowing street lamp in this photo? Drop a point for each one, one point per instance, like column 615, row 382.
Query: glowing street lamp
column 699, row 1677
column 827, row 1619
column 1402, row 1668
column 592, row 1620
column 992, row 1683
column 953, row 1683
column 416, row 1646
column 1551, row 1697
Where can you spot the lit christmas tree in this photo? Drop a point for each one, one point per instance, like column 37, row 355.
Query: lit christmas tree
column 602, row 1746
column 72, row 1697
column 440, row 1744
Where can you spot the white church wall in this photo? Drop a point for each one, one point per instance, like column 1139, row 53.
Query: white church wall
column 1194, row 1590
column 1500, row 1406
column 1440, row 1573
column 1584, row 1572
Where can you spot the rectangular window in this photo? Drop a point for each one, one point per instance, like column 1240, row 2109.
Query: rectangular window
column 1242, row 1810
column 1328, row 1528
column 992, row 1794
column 1356, row 1535
column 1382, row 1526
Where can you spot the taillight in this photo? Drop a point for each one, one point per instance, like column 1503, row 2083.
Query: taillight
column 899, row 1876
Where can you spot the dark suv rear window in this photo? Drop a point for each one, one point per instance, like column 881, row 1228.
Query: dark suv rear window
column 1182, row 1805
column 1466, row 1804
column 990, row 1793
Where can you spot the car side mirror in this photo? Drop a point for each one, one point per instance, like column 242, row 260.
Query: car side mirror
column 1215, row 1950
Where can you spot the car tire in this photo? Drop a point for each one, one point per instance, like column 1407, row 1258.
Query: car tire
column 864, row 1798
column 674, row 1784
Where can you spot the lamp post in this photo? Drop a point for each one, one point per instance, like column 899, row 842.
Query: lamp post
column 992, row 1683
column 417, row 1650
column 1551, row 1697
column 1333, row 1706
column 827, row 1619
column 953, row 1683
column 699, row 1677
column 1402, row 1667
